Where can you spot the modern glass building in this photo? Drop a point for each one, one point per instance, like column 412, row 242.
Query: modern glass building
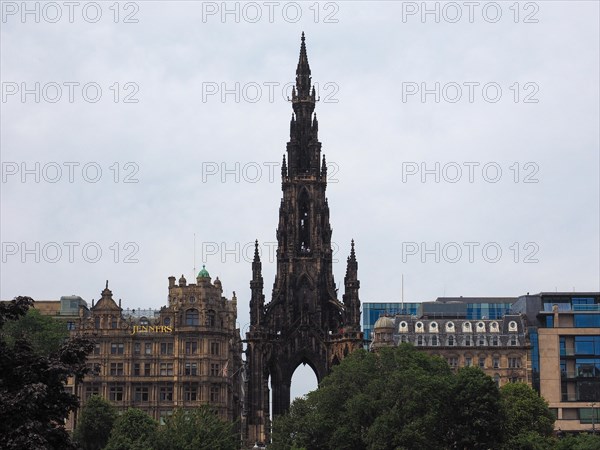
column 565, row 339
column 372, row 311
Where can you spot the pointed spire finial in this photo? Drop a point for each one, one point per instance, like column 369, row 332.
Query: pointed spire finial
column 352, row 253
column 303, row 72
column 256, row 254
column 106, row 284
column 284, row 167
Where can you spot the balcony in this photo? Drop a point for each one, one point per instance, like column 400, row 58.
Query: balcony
column 595, row 307
column 581, row 373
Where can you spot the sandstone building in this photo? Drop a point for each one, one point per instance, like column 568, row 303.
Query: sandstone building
column 499, row 347
column 305, row 322
column 184, row 355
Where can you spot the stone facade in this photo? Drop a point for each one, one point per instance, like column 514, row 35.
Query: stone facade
column 184, row 355
column 499, row 347
column 305, row 322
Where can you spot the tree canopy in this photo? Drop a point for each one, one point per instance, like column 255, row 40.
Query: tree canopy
column 401, row 398
column 94, row 424
column 34, row 401
column 528, row 423
column 44, row 333
column 196, row 429
column 133, row 430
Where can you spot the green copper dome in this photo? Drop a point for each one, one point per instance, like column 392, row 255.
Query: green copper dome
column 203, row 273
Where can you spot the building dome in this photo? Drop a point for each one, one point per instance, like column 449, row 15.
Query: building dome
column 384, row 322
column 203, row 273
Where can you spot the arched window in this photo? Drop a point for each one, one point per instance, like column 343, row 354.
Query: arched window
column 192, row 317
column 210, row 318
column 451, row 341
column 434, row 341
column 167, row 321
column 403, row 339
column 419, row 340
column 481, row 341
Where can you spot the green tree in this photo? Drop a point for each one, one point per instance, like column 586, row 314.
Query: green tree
column 95, row 423
column 196, row 429
column 398, row 398
column 34, row 402
column 44, row 333
column 134, row 430
column 473, row 411
column 581, row 441
column 528, row 423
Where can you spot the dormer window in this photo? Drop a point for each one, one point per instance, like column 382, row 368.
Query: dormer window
column 144, row 321
column 419, row 327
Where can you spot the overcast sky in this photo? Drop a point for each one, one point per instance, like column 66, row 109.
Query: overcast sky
column 463, row 144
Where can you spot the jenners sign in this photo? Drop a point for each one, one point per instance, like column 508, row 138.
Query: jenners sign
column 151, row 329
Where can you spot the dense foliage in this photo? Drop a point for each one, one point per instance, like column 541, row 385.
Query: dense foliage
column 196, row 429
column 34, row 403
column 45, row 334
column 401, row 398
column 579, row 442
column 94, row 423
column 201, row 428
column 133, row 430
column 528, row 421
